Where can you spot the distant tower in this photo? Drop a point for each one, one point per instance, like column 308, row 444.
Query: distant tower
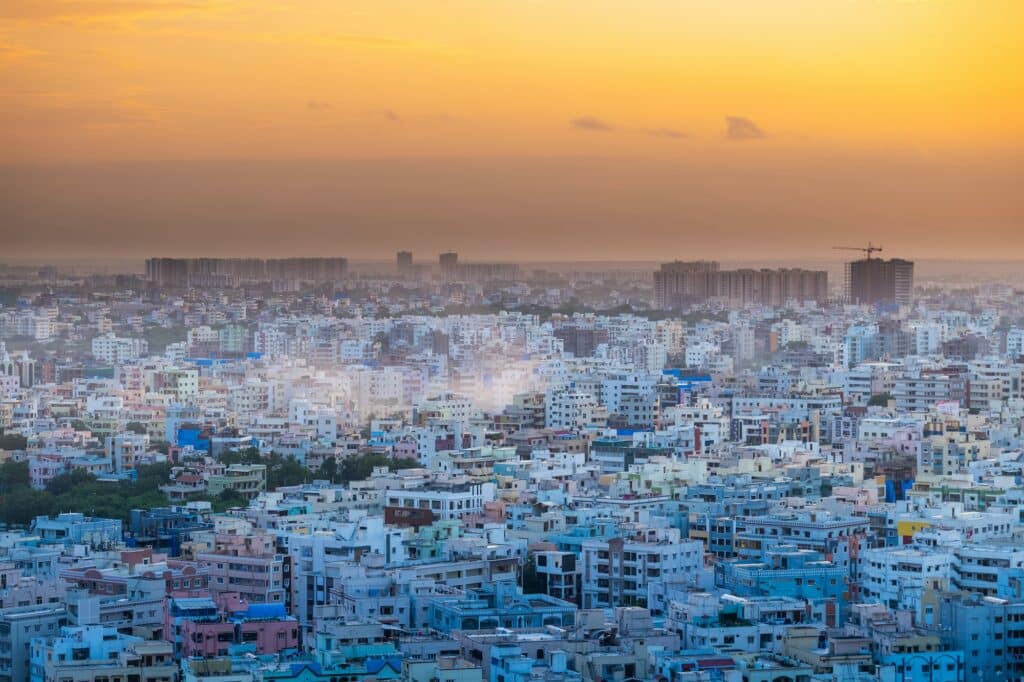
column 874, row 280
column 404, row 261
column 449, row 263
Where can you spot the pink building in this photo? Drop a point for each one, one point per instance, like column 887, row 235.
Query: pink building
column 207, row 627
column 249, row 565
column 181, row 578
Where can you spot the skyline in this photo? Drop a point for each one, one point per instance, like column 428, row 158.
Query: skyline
column 535, row 130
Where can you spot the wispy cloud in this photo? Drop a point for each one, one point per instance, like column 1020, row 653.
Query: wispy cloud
column 667, row 133
column 14, row 53
column 739, row 129
column 318, row 105
column 591, row 124
column 94, row 11
column 354, row 40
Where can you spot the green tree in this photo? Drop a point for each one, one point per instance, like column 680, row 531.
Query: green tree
column 13, row 441
column 359, row 467
column 879, row 400
column 227, row 499
column 284, row 471
column 65, row 483
column 244, row 456
column 21, row 506
column 151, row 476
column 329, row 469
column 13, row 476
column 136, row 427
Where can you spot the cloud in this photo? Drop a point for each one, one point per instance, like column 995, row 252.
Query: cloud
column 390, row 115
column 318, row 105
column 87, row 11
column 738, row 128
column 354, row 40
column 668, row 133
column 13, row 53
column 591, row 124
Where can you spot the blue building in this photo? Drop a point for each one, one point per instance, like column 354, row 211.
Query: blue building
column 164, row 528
column 78, row 529
column 789, row 572
column 989, row 631
column 96, row 652
column 498, row 605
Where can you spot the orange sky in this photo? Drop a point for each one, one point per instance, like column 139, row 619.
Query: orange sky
column 937, row 83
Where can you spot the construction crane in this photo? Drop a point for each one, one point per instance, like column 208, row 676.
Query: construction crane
column 868, row 250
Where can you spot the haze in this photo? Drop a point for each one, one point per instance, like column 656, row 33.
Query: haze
column 526, row 130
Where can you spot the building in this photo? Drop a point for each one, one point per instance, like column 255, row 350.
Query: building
column 680, row 284
column 898, row 576
column 248, row 480
column 876, row 280
column 93, row 653
column 116, row 350
column 617, row 571
column 74, row 528
column 18, row 627
column 248, row 564
column 454, row 271
column 192, row 272
column 125, row 450
column 445, row 501
column 567, row 408
column 449, row 263
column 204, row 627
column 989, row 631
column 789, row 572
column 559, row 574
column 497, row 606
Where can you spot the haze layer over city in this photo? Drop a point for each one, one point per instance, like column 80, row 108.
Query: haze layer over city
column 461, row 341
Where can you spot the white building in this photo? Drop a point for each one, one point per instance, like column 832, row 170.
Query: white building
column 125, row 449
column 616, row 571
column 117, row 350
column 568, row 408
column 897, row 576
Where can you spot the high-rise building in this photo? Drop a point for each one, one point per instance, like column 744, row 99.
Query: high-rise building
column 876, row 280
column 682, row 282
column 183, row 272
column 404, row 260
column 449, row 263
column 679, row 284
column 454, row 271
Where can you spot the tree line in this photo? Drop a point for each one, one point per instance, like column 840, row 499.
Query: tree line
column 80, row 491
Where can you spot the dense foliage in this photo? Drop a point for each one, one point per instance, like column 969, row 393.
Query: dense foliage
column 78, row 491
column 82, row 492
column 13, row 441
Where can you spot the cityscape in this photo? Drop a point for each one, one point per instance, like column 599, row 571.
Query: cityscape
column 511, row 341
column 234, row 469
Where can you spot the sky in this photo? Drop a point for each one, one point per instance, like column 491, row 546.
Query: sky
column 511, row 129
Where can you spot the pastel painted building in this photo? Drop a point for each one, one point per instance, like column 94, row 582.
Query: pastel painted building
column 78, row 529
column 247, row 562
column 204, row 627
column 499, row 605
column 93, row 653
column 789, row 572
